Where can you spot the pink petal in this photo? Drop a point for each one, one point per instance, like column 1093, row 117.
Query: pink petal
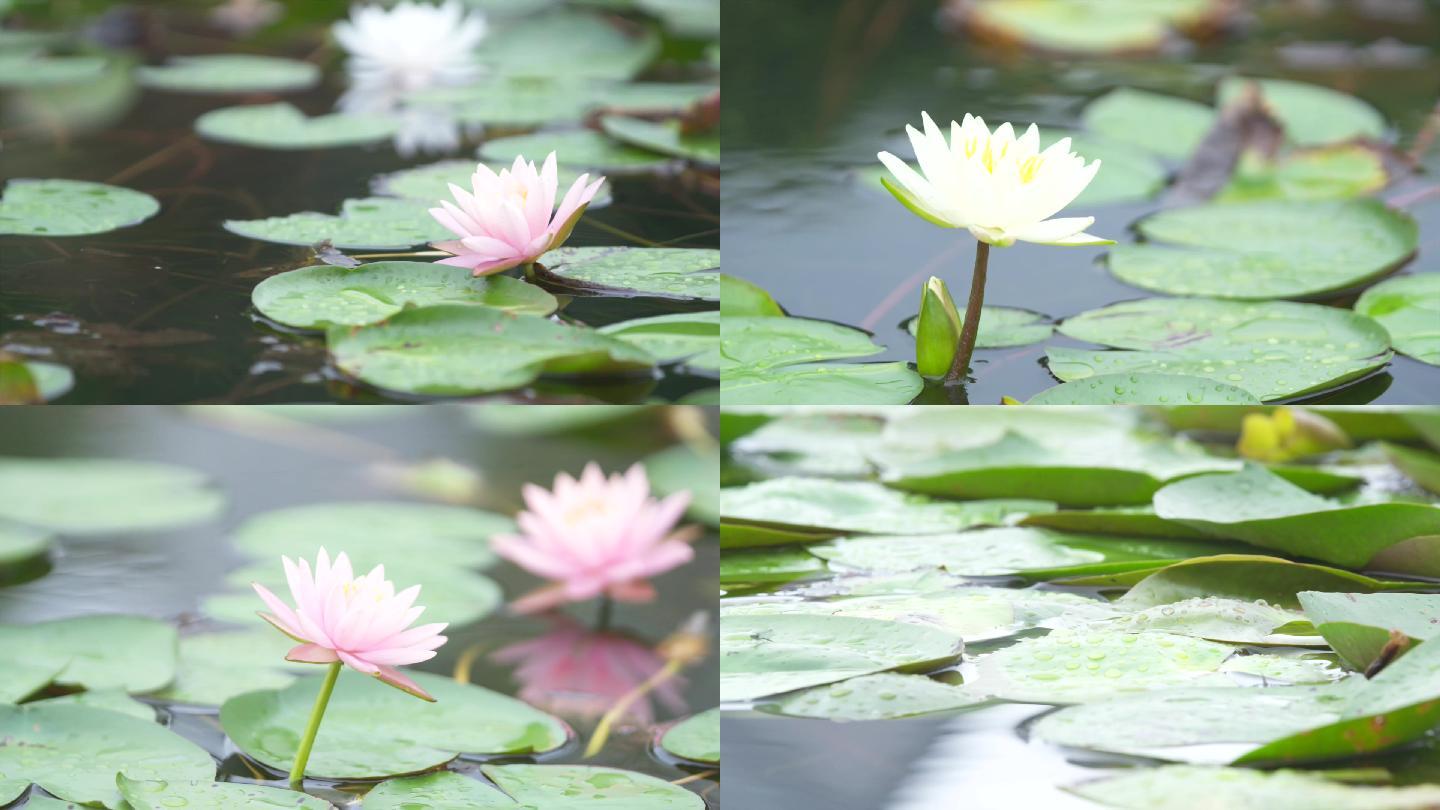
column 312, row 654
column 393, row 677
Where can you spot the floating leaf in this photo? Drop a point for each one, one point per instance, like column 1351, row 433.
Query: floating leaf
column 1217, row 618
column 1143, row 389
column 1003, row 327
column 1128, row 521
column 683, row 468
column 684, row 273
column 1127, row 175
column 686, row 18
column 1321, row 173
column 578, row 149
column 370, row 223
column 1360, row 625
column 763, row 343
column 1422, row 466
column 748, row 568
column 568, row 44
column 1311, row 115
column 229, row 73
column 1409, row 309
column 1088, row 26
column 100, row 496
column 885, row 696
column 431, row 182
column 323, row 296
column 77, row 752
column 696, row 738
column 1175, row 788
column 70, row 207
column 1274, row 349
column 664, row 137
column 1168, row 126
column 690, row 338
column 19, row 545
column 374, row 730
column 112, row 700
column 282, row 126
column 558, row 787
column 443, row 790
column 97, row 652
column 22, row 69
column 1275, row 249
column 739, row 297
column 821, row 384
column 214, row 667
column 371, row 531
column 211, row 795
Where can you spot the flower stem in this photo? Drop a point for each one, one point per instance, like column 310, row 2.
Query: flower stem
column 602, row 621
column 297, row 771
column 530, row 271
column 971, row 326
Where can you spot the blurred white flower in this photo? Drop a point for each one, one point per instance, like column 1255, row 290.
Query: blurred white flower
column 244, row 17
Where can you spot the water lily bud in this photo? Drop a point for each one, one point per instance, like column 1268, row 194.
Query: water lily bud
column 1287, row 434
column 937, row 331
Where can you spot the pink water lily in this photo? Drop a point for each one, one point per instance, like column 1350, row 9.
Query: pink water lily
column 509, row 219
column 595, row 536
column 360, row 622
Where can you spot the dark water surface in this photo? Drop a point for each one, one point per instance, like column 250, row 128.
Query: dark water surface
column 817, row 88
column 166, row 574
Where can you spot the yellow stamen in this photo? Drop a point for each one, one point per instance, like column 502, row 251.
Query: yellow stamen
column 1030, row 168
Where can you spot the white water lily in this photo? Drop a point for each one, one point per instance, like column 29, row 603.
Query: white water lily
column 1001, row 188
column 411, row 46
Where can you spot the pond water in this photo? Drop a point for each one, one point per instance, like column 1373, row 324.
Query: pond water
column 828, row 244
column 161, row 312
column 278, row 462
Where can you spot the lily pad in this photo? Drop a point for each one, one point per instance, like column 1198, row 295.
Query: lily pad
column 768, row 566
column 740, row 298
column 39, row 381
column 323, row 296
column 578, row 149
column 1175, row 788
column 444, row 790
column 1165, row 125
column 78, row 752
column 1260, row 508
column 1270, row 249
column 282, row 126
column 21, row 679
column 1319, row 173
column 1004, row 327
column 1088, row 26
column 431, row 182
column 1275, row 350
column 1143, row 389
column 691, row 339
column 1218, row 618
column 370, row 223
column 1360, row 625
column 1127, row 175
column 1421, row 466
column 214, row 667
column 821, row 384
column 664, row 137
column 685, row 469
column 886, row 696
column 696, row 738
column 568, row 44
column 1311, row 115
column 211, row 795
column 97, row 652
column 762, row 343
column 1127, row 521
column 683, row 273
column 113, row 700
column 1409, row 309
column 462, row 350
column 562, row 787
column 21, row 69
column 19, row 545
column 101, row 496
column 768, row 655
column 70, row 207
column 229, row 73
column 374, row 730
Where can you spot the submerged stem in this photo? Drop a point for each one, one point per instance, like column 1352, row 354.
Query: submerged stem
column 302, row 757
column 971, row 326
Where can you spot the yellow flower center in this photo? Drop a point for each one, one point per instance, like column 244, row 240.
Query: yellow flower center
column 584, row 512
column 1030, row 168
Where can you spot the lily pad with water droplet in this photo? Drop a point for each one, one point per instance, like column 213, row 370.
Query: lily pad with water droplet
column 1275, row 350
column 747, row 569
column 822, row 384
column 1263, row 250
column 113, row 700
column 78, row 752
column 323, row 296
column 431, row 182
column 582, row 149
column 1409, row 309
column 211, row 795
column 1003, row 327
column 1143, row 389
column 373, row 730
column 768, row 655
column 97, row 652
column 1311, row 115
column 70, row 207
column 886, row 696
column 369, row 223
column 78, row 496
column 559, row 787
column 1360, row 625
column 664, row 137
column 1218, row 618
column 1165, row 125
column 696, row 738
column 452, row 350
column 569, row 43
column 229, row 73
column 691, row 338
column 282, row 126
column 444, row 790
column 683, row 273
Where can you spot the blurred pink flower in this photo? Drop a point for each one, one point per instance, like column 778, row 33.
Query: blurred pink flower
column 596, row 536
column 573, row 671
column 510, row 218
column 361, row 622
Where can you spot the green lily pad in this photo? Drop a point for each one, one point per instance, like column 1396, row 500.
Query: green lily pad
column 832, row 444
column 699, row 19
column 100, row 496
column 1218, row 618
column 886, row 696
column 768, row 655
column 24, row 70
column 371, row 532
column 821, row 508
column 822, row 384
column 371, row 223
column 1275, row 349
column 740, row 298
column 1359, row 625
column 323, row 296
column 1270, row 249
column 767, row 566
column 214, row 667
column 1143, row 389
column 691, row 338
column 431, row 182
column 1088, row 26
column 1175, row 788
column 1127, row 521
column 78, row 752
column 444, row 790
column 229, row 73
column 1421, row 466
column 70, row 207
column 562, row 787
column 513, row 102
column 282, row 126
column 19, row 545
column 1319, row 173
column 1168, row 126
column 373, row 730
column 577, row 149
column 696, row 738
column 463, row 350
column 21, row 679
column 1003, row 327
column 42, row 381
column 568, row 44
column 113, row 700
column 210, row 795
column 1311, row 115
column 764, row 343
column 684, row 273
column 1260, row 508
column 97, row 652
column 685, row 469
column 664, row 137
column 1126, row 175
column 1408, row 307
